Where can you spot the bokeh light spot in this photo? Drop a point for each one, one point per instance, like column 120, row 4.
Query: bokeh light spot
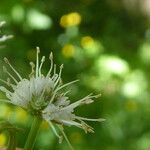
column 5, row 111
column 3, row 139
column 21, row 115
column 107, row 64
column 86, row 41
column 145, row 53
column 68, row 50
column 134, row 85
column 70, row 19
column 18, row 13
column 91, row 46
column 38, row 20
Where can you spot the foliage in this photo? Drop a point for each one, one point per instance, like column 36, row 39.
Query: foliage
column 101, row 43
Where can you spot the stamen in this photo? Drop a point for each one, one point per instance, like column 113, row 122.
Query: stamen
column 89, row 119
column 57, row 89
column 55, row 75
column 86, row 127
column 65, row 136
column 37, row 60
column 96, row 96
column 85, row 100
column 59, row 76
column 51, row 67
column 33, row 91
column 71, row 123
column 64, row 94
column 54, row 69
column 32, row 69
column 54, row 78
column 5, row 82
column 55, row 132
column 41, row 96
column 5, row 101
column 67, row 84
column 8, row 81
column 3, row 89
column 5, row 70
column 7, row 62
column 10, row 84
column 42, row 61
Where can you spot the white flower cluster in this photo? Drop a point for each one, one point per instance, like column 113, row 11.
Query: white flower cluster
column 42, row 95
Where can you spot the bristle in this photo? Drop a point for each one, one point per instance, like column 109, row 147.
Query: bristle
column 65, row 136
column 7, row 61
column 37, row 61
column 59, row 76
column 42, row 61
column 5, row 70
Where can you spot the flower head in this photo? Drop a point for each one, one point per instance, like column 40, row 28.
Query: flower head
column 43, row 95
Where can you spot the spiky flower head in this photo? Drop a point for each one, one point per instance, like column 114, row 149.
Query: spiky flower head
column 43, row 95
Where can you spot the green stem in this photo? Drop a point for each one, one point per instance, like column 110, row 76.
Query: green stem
column 33, row 133
column 12, row 141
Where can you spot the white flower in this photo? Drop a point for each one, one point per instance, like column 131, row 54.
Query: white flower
column 42, row 95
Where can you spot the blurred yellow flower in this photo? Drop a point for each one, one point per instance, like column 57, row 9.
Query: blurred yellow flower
column 68, row 50
column 91, row 46
column 3, row 139
column 5, row 111
column 21, row 115
column 87, row 41
column 70, row 19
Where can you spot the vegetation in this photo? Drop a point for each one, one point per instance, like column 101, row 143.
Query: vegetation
column 104, row 44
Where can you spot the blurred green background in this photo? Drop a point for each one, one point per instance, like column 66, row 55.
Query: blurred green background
column 105, row 44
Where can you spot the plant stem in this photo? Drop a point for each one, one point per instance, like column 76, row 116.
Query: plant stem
column 33, row 133
column 12, row 141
